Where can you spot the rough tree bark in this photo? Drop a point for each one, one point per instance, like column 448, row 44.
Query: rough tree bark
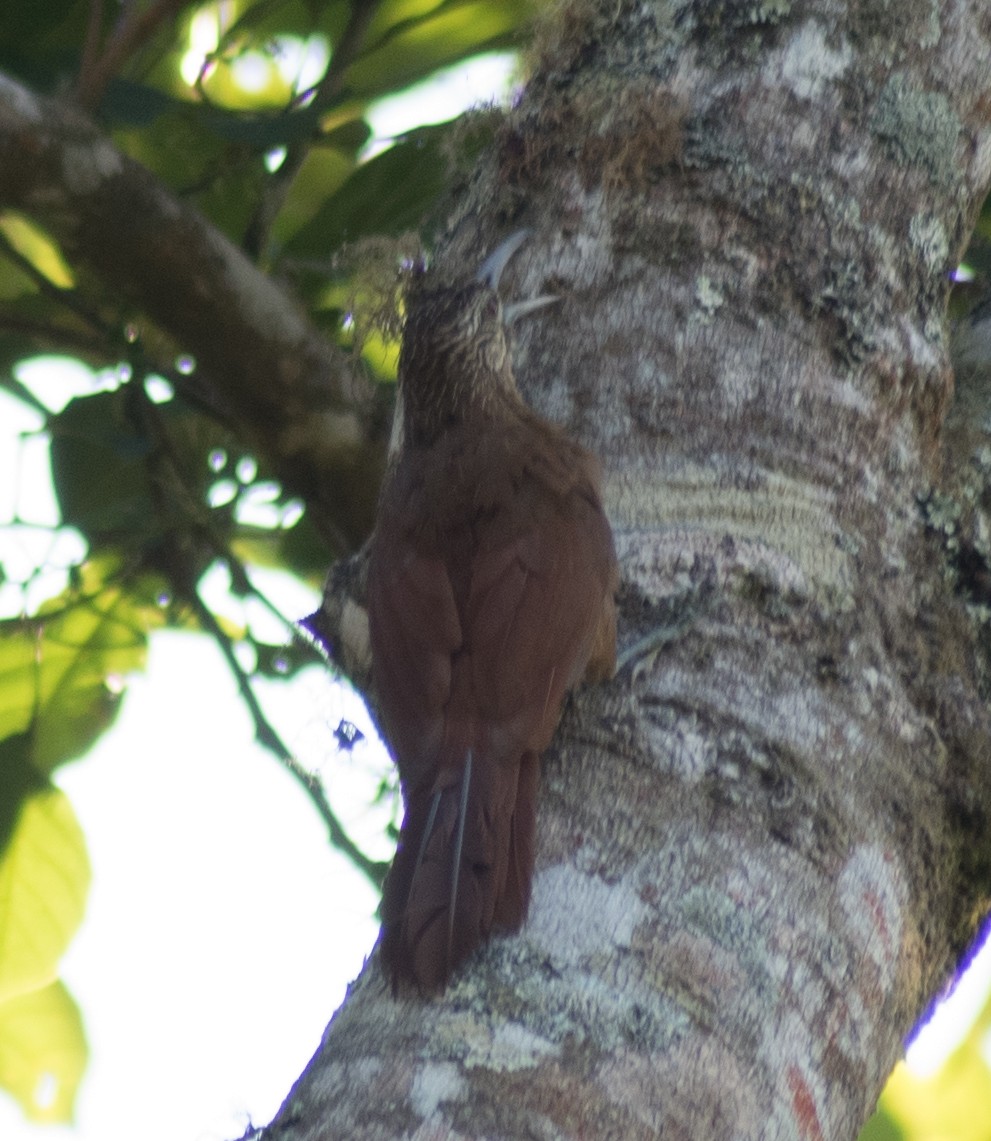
column 764, row 846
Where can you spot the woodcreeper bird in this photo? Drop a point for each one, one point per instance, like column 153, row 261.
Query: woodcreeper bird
column 491, row 588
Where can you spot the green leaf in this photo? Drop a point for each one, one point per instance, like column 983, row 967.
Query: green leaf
column 43, row 1052
column 17, row 680
column 424, row 37
column 260, row 131
column 99, row 466
column 387, row 195
column 349, row 137
column 260, row 21
column 324, row 170
column 16, row 282
column 19, row 779
column 44, row 881
column 35, row 33
column 131, row 104
column 54, row 668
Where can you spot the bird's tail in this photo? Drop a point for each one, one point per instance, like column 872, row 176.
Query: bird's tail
column 462, row 869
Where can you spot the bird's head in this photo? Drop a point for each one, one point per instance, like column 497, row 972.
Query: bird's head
column 455, row 354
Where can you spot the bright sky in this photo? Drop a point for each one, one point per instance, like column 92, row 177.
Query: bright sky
column 222, row 929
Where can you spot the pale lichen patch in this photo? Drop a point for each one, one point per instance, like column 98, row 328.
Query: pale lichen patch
column 514, row 1047
column 928, row 236
column 809, row 62
column 919, row 128
column 708, row 295
column 578, row 915
column 785, row 527
column 434, row 1083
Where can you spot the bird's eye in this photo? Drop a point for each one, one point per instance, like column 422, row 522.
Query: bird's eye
column 491, row 308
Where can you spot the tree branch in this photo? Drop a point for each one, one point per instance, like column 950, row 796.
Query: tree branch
column 305, row 404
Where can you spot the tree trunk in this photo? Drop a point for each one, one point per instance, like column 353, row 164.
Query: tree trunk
column 764, row 845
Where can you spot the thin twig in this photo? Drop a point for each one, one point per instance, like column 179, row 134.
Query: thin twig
column 47, row 334
column 323, row 96
column 91, row 45
column 131, row 32
column 168, row 480
column 270, row 739
column 12, row 385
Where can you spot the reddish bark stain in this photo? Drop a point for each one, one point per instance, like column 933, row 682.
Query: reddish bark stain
column 803, row 1105
column 875, row 905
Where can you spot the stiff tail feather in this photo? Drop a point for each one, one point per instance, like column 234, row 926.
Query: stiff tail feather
column 462, row 870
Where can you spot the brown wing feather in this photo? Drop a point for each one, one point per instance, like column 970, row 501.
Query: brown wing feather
column 481, row 621
column 535, row 609
column 415, row 630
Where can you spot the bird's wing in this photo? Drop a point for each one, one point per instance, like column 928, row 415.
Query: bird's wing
column 531, row 595
column 415, row 631
column 542, row 579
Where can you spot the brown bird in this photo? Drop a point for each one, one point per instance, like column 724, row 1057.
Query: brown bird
column 490, row 595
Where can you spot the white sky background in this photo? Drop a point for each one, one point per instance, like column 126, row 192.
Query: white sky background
column 222, row 928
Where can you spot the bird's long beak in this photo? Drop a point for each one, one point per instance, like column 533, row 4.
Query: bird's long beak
column 490, row 271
